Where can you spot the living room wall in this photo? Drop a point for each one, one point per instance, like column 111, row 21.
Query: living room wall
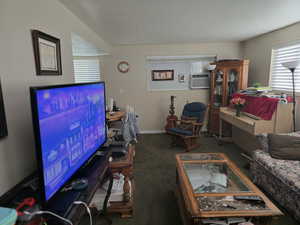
column 131, row 88
column 17, row 18
column 259, row 51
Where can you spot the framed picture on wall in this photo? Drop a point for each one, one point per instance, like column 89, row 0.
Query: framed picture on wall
column 47, row 53
column 3, row 125
column 162, row 75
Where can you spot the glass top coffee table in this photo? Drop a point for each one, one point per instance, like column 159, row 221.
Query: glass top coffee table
column 210, row 186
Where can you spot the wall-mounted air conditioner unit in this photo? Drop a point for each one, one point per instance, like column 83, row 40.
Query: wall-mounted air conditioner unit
column 199, row 81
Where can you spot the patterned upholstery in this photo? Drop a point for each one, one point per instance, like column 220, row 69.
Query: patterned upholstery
column 287, row 171
column 280, row 178
column 195, row 110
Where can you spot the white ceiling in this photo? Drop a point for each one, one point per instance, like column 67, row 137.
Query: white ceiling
column 183, row 21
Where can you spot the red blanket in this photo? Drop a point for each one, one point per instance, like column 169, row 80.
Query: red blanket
column 262, row 107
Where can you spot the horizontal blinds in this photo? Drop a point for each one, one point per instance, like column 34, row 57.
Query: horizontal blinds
column 281, row 77
column 86, row 70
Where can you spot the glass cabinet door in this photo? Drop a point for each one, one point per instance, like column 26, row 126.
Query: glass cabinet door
column 232, row 83
column 218, row 88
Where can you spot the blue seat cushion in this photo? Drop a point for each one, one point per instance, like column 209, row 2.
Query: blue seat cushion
column 195, row 110
column 180, row 131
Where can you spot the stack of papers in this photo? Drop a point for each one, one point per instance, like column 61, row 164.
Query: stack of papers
column 256, row 90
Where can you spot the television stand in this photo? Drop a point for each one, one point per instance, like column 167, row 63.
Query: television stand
column 63, row 202
column 103, row 212
column 96, row 172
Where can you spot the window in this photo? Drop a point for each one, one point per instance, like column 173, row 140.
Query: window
column 281, row 78
column 86, row 70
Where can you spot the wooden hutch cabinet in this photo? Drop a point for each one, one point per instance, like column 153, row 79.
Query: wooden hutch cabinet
column 228, row 77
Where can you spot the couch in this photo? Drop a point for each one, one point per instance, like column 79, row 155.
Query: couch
column 279, row 178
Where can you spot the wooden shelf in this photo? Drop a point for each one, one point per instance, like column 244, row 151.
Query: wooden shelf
column 125, row 208
column 124, row 166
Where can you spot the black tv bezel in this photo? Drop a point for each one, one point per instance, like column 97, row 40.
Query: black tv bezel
column 38, row 146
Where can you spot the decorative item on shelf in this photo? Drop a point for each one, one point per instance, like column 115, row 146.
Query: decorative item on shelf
column 162, row 75
column 172, row 107
column 181, row 78
column 46, row 53
column 123, row 67
column 292, row 67
column 172, row 118
column 238, row 104
column 211, row 67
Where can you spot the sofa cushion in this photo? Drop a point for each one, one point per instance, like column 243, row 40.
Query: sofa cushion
column 288, row 171
column 264, row 140
column 284, row 147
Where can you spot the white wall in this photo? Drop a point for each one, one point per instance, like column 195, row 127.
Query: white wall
column 259, row 51
column 17, row 18
column 131, row 88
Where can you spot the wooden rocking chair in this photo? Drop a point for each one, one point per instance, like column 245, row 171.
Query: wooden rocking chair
column 187, row 130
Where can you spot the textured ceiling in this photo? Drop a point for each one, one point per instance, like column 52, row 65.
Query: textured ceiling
column 183, row 21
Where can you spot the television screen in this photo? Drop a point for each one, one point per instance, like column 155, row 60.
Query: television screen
column 69, row 127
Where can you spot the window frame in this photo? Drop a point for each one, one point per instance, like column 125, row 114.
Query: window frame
column 87, row 58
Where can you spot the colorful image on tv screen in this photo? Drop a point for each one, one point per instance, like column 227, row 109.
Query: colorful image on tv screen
column 72, row 127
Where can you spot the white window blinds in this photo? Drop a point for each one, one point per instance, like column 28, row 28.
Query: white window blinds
column 86, row 70
column 281, row 77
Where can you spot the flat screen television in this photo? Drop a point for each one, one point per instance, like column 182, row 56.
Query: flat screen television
column 69, row 126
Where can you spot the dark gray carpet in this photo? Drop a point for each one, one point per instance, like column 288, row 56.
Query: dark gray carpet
column 154, row 173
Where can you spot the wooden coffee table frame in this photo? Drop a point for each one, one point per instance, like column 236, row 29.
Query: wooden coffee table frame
column 191, row 206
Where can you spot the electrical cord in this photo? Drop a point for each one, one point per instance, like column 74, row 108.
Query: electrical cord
column 87, row 209
column 50, row 213
column 60, row 217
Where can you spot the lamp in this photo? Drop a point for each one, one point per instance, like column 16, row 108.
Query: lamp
column 292, row 65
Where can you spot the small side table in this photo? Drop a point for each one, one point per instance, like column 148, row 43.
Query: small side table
column 124, row 165
column 171, row 121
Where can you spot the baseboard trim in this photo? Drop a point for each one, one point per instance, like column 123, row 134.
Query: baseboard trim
column 153, row 132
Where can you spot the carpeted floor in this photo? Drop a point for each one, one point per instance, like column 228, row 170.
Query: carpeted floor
column 154, row 173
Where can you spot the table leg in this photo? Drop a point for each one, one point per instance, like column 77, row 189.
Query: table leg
column 220, row 129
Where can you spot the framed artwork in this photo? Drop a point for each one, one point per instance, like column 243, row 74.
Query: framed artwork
column 162, row 75
column 47, row 53
column 181, row 78
column 3, row 125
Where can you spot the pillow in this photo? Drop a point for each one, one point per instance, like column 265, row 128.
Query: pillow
column 264, row 140
column 285, row 147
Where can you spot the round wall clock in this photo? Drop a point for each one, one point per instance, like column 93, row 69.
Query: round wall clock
column 123, row 67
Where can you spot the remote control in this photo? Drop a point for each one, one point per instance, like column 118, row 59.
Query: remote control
column 248, row 197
